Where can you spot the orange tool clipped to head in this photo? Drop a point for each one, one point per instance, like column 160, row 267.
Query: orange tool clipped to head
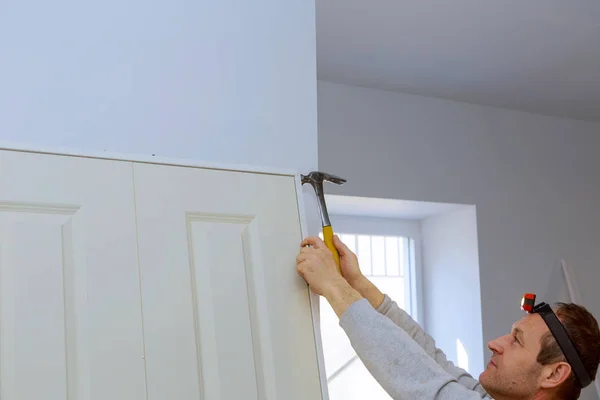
column 528, row 302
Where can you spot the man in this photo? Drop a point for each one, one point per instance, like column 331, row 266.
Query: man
column 525, row 364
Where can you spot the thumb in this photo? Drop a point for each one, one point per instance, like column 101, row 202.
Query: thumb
column 342, row 249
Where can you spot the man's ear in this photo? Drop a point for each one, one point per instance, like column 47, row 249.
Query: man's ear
column 555, row 374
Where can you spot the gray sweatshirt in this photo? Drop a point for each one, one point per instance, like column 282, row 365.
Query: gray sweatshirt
column 402, row 357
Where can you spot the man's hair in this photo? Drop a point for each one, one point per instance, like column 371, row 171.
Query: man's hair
column 583, row 329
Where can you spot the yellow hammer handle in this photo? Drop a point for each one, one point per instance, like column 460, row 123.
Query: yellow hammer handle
column 328, row 239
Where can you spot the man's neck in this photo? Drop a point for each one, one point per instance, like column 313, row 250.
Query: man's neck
column 540, row 395
column 543, row 395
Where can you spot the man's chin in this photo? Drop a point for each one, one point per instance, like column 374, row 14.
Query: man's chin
column 485, row 374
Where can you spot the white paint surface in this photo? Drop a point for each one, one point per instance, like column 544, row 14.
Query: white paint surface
column 375, row 226
column 70, row 320
column 452, row 295
column 220, row 290
column 540, row 55
column 534, row 181
column 128, row 280
column 386, row 208
column 213, row 81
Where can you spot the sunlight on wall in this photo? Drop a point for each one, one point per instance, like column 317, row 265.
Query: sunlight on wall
column 463, row 357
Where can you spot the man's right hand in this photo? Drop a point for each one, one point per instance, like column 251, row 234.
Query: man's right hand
column 353, row 275
column 348, row 262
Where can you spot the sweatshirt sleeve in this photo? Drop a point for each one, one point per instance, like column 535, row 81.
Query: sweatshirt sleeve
column 396, row 361
column 399, row 317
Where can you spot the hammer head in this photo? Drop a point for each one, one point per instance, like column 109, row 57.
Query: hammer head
column 316, row 180
column 317, row 177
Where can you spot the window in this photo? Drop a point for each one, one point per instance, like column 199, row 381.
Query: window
column 388, row 261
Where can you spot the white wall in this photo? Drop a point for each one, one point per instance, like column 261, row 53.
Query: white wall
column 221, row 81
column 534, row 181
column 376, row 226
column 451, row 276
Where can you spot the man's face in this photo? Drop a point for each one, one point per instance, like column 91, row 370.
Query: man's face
column 513, row 370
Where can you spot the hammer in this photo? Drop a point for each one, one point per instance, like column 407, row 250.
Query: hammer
column 316, row 179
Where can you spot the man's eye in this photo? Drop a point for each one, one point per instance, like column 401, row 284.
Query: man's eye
column 516, row 340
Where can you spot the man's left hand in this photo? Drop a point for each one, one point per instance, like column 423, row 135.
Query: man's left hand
column 317, row 266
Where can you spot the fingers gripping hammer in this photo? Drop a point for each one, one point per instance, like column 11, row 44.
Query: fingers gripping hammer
column 316, row 179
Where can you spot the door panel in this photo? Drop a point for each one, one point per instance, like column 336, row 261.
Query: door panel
column 221, row 249
column 226, row 316
column 70, row 320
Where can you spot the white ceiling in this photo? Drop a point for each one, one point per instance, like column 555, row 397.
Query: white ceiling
column 541, row 56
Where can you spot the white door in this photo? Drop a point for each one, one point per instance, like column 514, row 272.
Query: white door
column 226, row 316
column 70, row 321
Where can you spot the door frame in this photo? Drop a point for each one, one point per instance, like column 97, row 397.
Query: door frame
column 190, row 163
column 140, row 158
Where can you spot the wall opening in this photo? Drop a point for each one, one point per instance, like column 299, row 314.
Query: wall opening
column 424, row 256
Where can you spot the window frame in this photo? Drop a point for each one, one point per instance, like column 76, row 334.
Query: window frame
column 411, row 229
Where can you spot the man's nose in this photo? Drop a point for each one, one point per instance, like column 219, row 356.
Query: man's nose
column 497, row 345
